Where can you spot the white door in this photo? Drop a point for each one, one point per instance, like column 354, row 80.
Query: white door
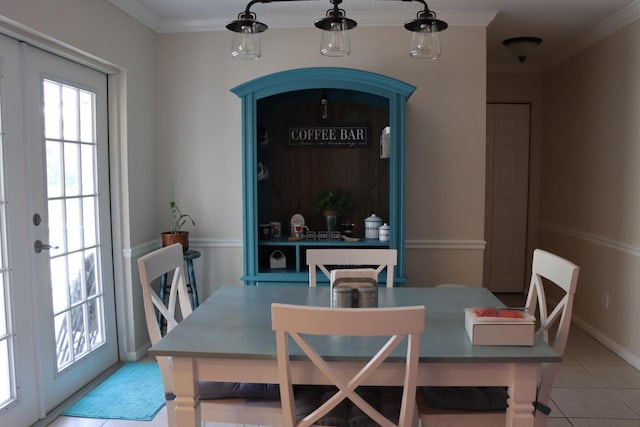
column 507, row 197
column 63, row 156
column 19, row 403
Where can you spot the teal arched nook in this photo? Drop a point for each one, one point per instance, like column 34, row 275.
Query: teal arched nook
column 281, row 176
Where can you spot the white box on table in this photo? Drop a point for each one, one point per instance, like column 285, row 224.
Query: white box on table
column 489, row 330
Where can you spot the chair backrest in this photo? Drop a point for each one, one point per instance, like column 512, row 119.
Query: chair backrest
column 380, row 259
column 168, row 260
column 396, row 323
column 548, row 268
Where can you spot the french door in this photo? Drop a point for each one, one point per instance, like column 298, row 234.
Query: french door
column 57, row 276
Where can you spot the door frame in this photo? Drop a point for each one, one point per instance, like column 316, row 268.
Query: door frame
column 118, row 176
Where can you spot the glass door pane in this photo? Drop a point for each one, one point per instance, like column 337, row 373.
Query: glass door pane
column 76, row 287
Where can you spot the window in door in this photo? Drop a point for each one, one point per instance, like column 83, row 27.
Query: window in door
column 77, row 291
column 7, row 373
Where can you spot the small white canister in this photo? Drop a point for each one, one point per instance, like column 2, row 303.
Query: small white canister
column 385, row 143
column 383, row 232
column 371, row 226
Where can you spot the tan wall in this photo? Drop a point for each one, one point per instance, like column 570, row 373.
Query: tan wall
column 182, row 81
column 590, row 188
column 200, row 129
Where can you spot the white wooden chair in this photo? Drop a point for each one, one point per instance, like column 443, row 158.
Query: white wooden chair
column 169, row 260
column 554, row 272
column 379, row 259
column 301, row 322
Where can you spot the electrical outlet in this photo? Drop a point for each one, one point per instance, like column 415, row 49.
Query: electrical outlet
column 605, row 300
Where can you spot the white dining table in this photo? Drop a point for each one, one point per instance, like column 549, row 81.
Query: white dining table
column 229, row 338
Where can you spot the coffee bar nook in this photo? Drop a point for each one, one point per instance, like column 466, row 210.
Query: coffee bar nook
column 323, row 158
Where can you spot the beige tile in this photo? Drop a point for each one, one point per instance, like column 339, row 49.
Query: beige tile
column 591, row 403
column 568, row 359
column 593, row 355
column 77, row 422
column 160, row 420
column 631, row 397
column 555, row 411
column 558, row 422
column 576, row 376
column 616, row 376
column 600, row 422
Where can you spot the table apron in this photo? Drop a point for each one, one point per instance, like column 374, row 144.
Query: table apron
column 304, row 372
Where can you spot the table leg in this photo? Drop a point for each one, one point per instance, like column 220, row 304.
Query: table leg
column 522, row 394
column 185, row 387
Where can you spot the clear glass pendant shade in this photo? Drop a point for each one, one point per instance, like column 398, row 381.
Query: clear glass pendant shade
column 425, row 43
column 336, row 42
column 246, row 43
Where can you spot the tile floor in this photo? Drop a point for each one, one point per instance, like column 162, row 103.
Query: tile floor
column 595, row 388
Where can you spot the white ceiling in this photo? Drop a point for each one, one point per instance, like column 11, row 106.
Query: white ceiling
column 564, row 25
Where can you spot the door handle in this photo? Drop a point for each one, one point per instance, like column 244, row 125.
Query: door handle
column 38, row 246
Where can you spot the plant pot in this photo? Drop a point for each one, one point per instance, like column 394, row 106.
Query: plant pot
column 330, row 218
column 181, row 237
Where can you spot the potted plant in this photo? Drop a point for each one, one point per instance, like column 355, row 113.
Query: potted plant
column 332, row 204
column 177, row 234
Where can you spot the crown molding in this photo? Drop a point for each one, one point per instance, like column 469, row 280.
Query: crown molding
column 297, row 16
column 607, row 27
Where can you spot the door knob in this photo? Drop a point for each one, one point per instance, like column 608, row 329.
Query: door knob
column 38, row 246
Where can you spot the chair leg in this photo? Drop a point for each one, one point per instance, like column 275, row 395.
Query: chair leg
column 171, row 414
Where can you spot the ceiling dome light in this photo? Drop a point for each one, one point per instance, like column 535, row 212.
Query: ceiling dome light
column 522, row 46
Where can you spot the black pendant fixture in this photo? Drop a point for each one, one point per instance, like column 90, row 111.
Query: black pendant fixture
column 335, row 26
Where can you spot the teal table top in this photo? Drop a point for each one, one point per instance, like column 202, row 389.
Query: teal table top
column 235, row 322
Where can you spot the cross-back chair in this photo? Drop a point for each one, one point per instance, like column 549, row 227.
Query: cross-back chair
column 219, row 401
column 552, row 279
column 378, row 259
column 301, row 323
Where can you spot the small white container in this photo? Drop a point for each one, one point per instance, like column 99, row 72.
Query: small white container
column 385, row 143
column 371, row 225
column 383, row 232
column 277, row 260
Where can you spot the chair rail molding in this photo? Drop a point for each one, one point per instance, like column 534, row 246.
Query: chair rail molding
column 593, row 238
column 476, row 245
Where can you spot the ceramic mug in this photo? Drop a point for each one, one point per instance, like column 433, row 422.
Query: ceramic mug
column 276, row 229
column 264, row 231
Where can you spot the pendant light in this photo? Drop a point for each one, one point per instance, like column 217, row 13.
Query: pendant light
column 425, row 41
column 245, row 43
column 335, row 26
column 335, row 35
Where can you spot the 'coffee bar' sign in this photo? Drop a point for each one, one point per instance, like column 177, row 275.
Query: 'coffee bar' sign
column 329, row 136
